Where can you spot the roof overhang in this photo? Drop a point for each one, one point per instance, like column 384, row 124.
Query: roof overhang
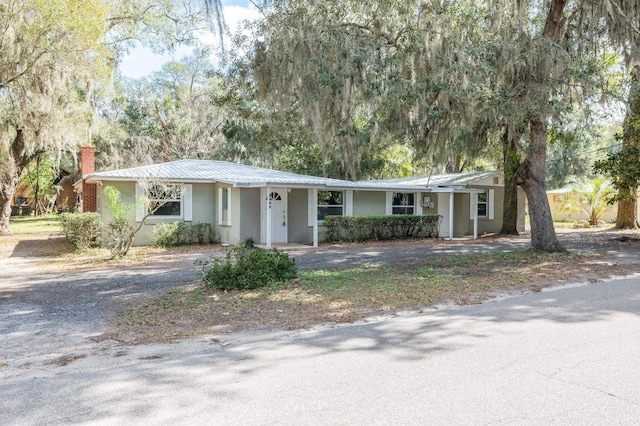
column 291, row 185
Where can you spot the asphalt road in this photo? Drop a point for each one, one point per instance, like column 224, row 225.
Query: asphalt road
column 563, row 356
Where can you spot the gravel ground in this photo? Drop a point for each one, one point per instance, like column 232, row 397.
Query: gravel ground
column 52, row 310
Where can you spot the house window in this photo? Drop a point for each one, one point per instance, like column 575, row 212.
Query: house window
column 483, row 201
column 224, row 203
column 330, row 203
column 403, row 203
column 165, row 200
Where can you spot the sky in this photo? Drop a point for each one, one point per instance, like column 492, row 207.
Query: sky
column 141, row 61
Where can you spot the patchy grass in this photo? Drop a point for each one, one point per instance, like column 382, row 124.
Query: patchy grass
column 42, row 237
column 36, row 225
column 350, row 294
column 35, row 237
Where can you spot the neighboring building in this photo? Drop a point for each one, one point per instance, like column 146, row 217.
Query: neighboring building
column 277, row 207
column 24, row 201
column 555, row 197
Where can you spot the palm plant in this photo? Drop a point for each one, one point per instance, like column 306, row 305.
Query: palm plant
column 591, row 196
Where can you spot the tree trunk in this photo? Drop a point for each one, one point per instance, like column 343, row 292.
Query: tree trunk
column 511, row 162
column 6, row 197
column 9, row 177
column 531, row 177
column 36, row 204
column 627, row 217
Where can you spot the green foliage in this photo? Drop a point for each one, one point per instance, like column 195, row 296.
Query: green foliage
column 624, row 170
column 82, row 229
column 246, row 268
column 40, row 178
column 365, row 228
column 122, row 229
column 591, row 196
column 181, row 233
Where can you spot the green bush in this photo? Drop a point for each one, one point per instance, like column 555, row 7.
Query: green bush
column 366, row 228
column 180, row 234
column 246, row 268
column 82, row 229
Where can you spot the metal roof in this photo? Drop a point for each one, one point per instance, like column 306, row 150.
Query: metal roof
column 214, row 171
column 241, row 175
column 436, row 181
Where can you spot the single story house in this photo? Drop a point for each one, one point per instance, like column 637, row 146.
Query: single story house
column 273, row 207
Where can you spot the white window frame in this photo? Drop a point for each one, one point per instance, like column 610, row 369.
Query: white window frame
column 143, row 208
column 488, row 203
column 484, row 203
column 342, row 205
column 404, row 206
column 221, row 206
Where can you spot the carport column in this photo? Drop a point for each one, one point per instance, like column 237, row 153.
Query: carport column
column 315, row 217
column 451, row 215
column 268, row 204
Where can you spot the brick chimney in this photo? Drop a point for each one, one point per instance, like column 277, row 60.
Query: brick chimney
column 88, row 166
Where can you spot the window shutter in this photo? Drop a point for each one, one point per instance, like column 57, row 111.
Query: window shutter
column 348, row 203
column 389, row 204
column 490, row 203
column 140, row 203
column 188, row 203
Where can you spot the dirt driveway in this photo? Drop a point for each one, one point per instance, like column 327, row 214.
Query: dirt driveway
column 53, row 307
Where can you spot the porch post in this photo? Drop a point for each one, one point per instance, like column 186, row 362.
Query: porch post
column 315, row 217
column 268, row 204
column 451, row 215
column 475, row 215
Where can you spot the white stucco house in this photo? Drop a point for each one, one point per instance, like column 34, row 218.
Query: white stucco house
column 274, row 207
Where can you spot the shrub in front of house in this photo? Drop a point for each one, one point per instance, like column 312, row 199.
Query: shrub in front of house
column 245, row 268
column 82, row 229
column 367, row 228
column 181, row 233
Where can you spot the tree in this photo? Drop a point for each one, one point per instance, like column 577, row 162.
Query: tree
column 622, row 23
column 41, row 178
column 50, row 50
column 54, row 55
column 624, row 166
column 166, row 116
column 367, row 76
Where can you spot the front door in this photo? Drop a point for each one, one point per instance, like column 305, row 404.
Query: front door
column 278, row 203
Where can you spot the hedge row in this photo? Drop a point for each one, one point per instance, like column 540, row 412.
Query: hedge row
column 366, row 228
column 181, row 234
column 86, row 230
